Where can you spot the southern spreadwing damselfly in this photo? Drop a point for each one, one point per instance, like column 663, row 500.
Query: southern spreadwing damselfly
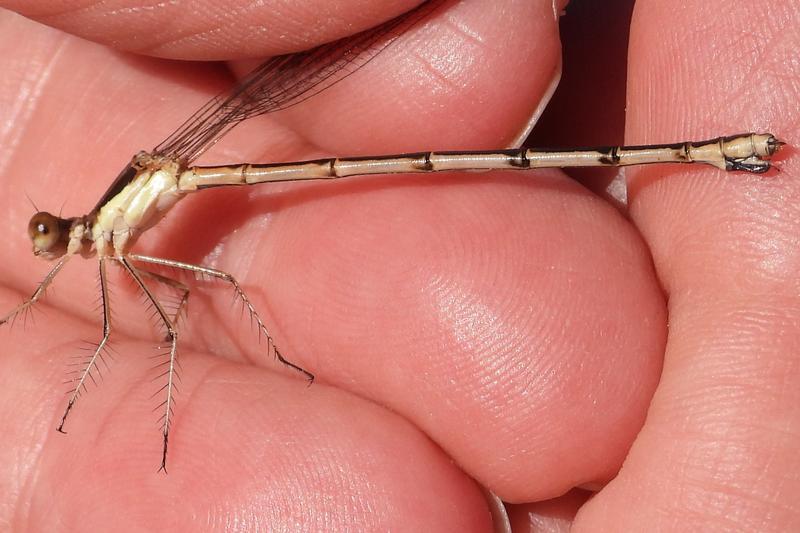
column 153, row 182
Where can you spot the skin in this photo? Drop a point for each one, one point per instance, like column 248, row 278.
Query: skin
column 504, row 328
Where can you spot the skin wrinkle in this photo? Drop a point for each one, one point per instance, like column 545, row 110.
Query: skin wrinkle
column 444, row 84
column 302, row 38
column 28, row 103
column 213, row 27
column 421, row 61
column 228, row 21
column 29, row 482
column 53, row 17
column 29, row 485
column 138, row 9
column 465, row 315
column 719, row 495
column 45, row 13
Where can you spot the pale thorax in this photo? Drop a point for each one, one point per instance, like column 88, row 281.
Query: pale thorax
column 140, row 205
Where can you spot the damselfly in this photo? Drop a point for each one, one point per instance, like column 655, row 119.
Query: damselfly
column 153, row 182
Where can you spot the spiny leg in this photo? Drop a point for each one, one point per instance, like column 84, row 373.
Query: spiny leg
column 173, row 283
column 38, row 293
column 197, row 269
column 91, row 363
column 172, row 337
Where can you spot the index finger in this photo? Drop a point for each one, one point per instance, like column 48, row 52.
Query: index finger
column 227, row 29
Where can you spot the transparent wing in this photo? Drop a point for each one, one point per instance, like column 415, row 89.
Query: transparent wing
column 282, row 82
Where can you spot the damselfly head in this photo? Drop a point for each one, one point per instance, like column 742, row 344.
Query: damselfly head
column 49, row 235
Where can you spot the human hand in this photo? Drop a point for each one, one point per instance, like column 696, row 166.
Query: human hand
column 514, row 320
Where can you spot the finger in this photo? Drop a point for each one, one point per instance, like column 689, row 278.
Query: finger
column 552, row 516
column 211, row 30
column 246, row 445
column 721, row 433
column 494, row 311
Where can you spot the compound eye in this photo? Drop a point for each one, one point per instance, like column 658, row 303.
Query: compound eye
column 45, row 231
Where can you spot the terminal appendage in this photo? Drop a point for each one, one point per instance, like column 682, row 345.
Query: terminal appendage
column 750, row 153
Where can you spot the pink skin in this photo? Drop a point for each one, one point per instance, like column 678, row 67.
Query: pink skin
column 501, row 327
